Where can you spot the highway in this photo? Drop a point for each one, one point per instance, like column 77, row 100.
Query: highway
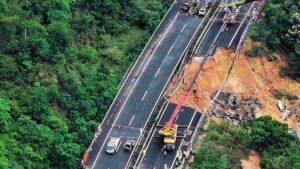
column 220, row 34
column 143, row 87
column 232, row 34
column 128, row 118
column 154, row 157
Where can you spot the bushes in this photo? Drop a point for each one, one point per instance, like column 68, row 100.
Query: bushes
column 256, row 50
column 280, row 94
column 278, row 29
column 221, row 147
column 224, row 145
column 61, row 62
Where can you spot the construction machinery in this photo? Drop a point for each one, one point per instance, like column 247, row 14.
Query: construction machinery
column 169, row 130
column 231, row 10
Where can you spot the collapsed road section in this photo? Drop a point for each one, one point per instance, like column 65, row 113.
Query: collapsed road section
column 227, row 34
column 154, row 156
column 125, row 123
column 128, row 119
column 172, row 150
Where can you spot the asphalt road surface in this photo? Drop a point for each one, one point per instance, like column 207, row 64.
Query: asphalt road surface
column 222, row 35
column 130, row 117
column 154, row 157
column 232, row 34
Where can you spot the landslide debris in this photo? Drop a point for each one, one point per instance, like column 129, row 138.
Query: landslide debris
column 255, row 81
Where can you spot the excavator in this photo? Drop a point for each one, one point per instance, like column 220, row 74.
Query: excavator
column 231, row 10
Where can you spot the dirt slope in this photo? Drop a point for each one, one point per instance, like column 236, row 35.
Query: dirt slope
column 252, row 162
column 249, row 77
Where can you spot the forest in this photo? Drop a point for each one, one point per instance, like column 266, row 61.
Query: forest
column 279, row 28
column 61, row 62
column 224, row 145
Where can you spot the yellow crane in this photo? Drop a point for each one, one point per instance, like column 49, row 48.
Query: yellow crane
column 169, row 130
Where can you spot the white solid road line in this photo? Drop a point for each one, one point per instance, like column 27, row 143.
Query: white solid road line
column 119, row 146
column 195, row 112
column 171, row 76
column 167, row 83
column 152, row 136
column 240, row 26
column 170, row 49
column 163, row 37
column 203, row 37
column 223, row 28
column 183, row 28
column 157, row 72
column 144, row 95
column 211, row 48
column 165, row 34
column 131, row 120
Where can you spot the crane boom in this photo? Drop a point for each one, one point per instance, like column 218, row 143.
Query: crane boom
column 183, row 99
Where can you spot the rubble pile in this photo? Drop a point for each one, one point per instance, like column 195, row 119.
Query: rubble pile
column 250, row 77
column 285, row 111
column 229, row 107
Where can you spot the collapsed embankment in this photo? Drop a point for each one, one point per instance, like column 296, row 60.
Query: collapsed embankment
column 250, row 77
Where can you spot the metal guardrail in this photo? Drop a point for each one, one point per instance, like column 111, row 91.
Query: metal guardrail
column 215, row 7
column 193, row 41
column 120, row 94
column 193, row 140
column 143, row 144
column 202, row 29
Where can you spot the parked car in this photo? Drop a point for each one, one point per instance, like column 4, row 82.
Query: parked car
column 185, row 6
column 202, row 11
column 113, row 145
column 129, row 145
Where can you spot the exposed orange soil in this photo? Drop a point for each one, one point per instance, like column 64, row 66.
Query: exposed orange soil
column 252, row 162
column 250, row 77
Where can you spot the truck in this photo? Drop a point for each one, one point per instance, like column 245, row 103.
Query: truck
column 113, row 145
column 170, row 139
column 169, row 130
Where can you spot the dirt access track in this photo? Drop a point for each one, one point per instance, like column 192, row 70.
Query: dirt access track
column 250, row 77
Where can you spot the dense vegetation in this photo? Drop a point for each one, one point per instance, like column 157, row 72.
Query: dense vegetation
column 60, row 64
column 224, row 145
column 280, row 29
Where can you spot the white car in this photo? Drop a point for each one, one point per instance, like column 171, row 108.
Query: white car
column 202, row 11
column 113, row 145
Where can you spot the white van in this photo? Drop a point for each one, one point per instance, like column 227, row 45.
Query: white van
column 113, row 145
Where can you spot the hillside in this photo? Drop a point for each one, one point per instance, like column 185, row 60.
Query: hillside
column 250, row 77
column 61, row 62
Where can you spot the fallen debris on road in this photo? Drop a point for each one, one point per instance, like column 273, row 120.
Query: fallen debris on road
column 252, row 80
